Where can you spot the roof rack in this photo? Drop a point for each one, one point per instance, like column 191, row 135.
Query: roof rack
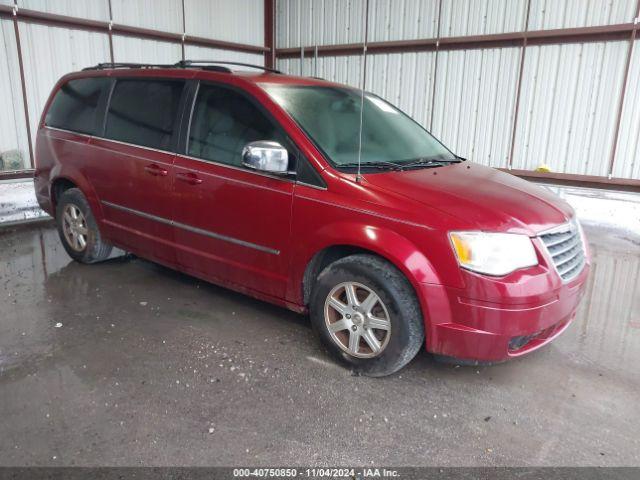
column 200, row 63
column 112, row 65
column 213, row 65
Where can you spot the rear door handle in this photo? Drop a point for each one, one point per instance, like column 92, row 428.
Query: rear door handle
column 154, row 169
column 190, row 178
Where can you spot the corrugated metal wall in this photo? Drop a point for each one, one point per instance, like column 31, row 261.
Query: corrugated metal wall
column 477, row 17
column 231, row 20
column 203, row 53
column 548, row 14
column 318, row 22
column 49, row 52
column 165, row 15
column 131, row 49
column 14, row 149
column 402, row 19
column 91, row 9
column 474, row 102
column 568, row 98
column 408, row 76
column 568, row 106
column 628, row 147
column 569, row 94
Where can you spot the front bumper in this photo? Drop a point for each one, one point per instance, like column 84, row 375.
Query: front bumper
column 519, row 316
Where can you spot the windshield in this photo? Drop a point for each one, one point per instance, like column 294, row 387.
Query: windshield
column 331, row 117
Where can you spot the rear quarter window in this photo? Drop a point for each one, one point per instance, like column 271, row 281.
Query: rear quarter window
column 75, row 105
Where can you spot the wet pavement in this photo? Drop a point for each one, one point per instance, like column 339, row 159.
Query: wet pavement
column 130, row 363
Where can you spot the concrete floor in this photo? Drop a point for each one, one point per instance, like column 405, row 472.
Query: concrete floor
column 129, row 363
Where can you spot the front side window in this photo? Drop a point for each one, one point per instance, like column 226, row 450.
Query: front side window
column 75, row 105
column 331, row 117
column 223, row 122
column 143, row 112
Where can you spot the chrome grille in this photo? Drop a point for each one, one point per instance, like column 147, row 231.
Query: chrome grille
column 564, row 246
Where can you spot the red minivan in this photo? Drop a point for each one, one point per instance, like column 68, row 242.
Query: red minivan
column 314, row 196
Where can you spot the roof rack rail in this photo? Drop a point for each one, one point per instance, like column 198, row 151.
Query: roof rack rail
column 112, row 65
column 196, row 63
column 214, row 68
column 218, row 66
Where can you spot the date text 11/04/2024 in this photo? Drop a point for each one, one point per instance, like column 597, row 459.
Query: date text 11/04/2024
column 315, row 473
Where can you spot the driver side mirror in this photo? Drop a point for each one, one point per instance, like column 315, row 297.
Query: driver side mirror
column 266, row 156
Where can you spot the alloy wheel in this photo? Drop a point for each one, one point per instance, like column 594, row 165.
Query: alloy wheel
column 74, row 227
column 357, row 320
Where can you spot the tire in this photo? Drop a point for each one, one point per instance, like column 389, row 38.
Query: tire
column 92, row 249
column 397, row 304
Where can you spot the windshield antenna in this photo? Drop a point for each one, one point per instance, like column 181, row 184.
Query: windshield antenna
column 364, row 79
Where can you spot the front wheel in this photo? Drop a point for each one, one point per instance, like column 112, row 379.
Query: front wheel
column 367, row 314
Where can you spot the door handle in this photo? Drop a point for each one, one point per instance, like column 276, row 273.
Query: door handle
column 154, row 169
column 190, row 178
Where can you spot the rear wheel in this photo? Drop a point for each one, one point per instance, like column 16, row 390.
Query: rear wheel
column 78, row 229
column 367, row 314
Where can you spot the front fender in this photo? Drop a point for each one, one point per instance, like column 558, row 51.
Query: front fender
column 386, row 243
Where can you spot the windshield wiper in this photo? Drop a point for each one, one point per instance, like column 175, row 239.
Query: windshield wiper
column 428, row 162
column 382, row 165
column 420, row 162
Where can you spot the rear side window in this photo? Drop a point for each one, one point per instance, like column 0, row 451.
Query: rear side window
column 75, row 105
column 143, row 112
column 223, row 123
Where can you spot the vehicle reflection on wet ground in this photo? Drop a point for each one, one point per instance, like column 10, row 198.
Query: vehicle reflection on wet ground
column 127, row 363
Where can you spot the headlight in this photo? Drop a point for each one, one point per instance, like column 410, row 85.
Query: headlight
column 493, row 253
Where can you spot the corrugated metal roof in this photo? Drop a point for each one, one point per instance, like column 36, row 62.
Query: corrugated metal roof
column 14, row 147
column 548, row 14
column 91, row 9
column 477, row 17
column 240, row 21
column 131, row 49
column 568, row 106
column 627, row 161
column 50, row 52
column 165, row 15
column 474, row 103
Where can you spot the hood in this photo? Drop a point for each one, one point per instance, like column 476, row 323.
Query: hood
column 480, row 197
